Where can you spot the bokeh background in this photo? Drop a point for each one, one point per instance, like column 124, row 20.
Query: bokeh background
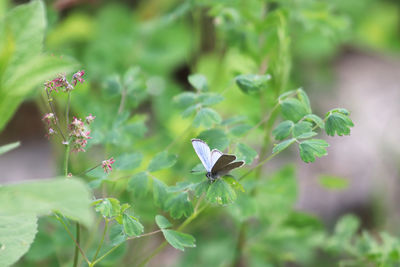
column 342, row 53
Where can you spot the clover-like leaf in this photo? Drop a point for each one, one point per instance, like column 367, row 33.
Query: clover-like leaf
column 132, row 227
column 179, row 240
column 162, row 222
column 221, row 193
column 293, row 109
column 139, row 184
column 201, row 188
column 302, row 127
column 283, row 145
column 302, row 96
column 162, row 160
column 206, row 117
column 246, row 153
column 337, row 121
column 310, row 149
column 315, row 119
column 116, row 234
column 109, row 207
column 128, row 161
column 198, row 81
column 185, row 99
column 160, row 194
column 179, row 205
column 215, row 138
column 283, row 130
column 252, row 83
column 240, row 130
column 209, row 99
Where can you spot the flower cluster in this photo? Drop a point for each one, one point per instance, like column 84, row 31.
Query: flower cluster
column 50, row 120
column 106, row 165
column 62, row 83
column 77, row 77
column 79, row 133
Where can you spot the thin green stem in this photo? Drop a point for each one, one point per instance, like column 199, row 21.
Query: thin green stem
column 67, row 109
column 66, row 159
column 50, row 101
column 73, row 239
column 78, row 237
column 102, row 240
column 91, row 169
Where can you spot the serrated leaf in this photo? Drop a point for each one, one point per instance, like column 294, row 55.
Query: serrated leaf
column 317, row 120
column 198, row 81
column 128, row 161
column 179, row 205
column 306, row 135
column 221, row 193
column 201, row 188
column 139, row 184
column 283, row 130
column 215, row 138
column 132, row 227
column 9, row 147
column 109, row 207
column 162, row 222
column 206, row 117
column 233, row 183
column 333, row 182
column 68, row 196
column 179, row 240
column 283, row 145
column 338, row 123
column 180, row 186
column 252, row 83
column 246, row 153
column 186, row 99
column 302, row 127
column 160, row 193
column 162, row 160
column 116, row 234
column 310, row 149
column 209, row 99
column 304, row 99
column 293, row 109
column 240, row 130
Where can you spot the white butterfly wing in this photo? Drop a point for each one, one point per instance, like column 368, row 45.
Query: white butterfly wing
column 203, row 152
column 215, row 155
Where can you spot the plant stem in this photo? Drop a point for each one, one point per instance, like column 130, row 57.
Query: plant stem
column 102, row 240
column 77, row 247
column 66, row 159
column 91, row 169
column 67, row 109
column 50, row 101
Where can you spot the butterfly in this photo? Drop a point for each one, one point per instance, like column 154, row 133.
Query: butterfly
column 215, row 162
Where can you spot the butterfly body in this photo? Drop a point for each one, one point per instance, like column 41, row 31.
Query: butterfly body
column 215, row 162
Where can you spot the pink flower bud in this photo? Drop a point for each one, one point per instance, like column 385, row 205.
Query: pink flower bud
column 106, row 165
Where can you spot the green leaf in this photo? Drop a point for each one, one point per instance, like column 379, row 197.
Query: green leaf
column 306, row 135
column 246, row 153
column 333, row 182
column 162, row 222
column 116, row 234
column 310, row 149
column 198, row 81
column 162, row 160
column 234, row 120
column 346, row 227
column 179, row 205
column 139, row 184
column 283, row 145
column 206, row 117
column 252, row 83
column 221, row 193
column 338, row 123
column 283, row 130
column 302, row 127
column 185, row 99
column 208, row 99
column 240, row 130
column 215, row 138
column 109, row 207
column 9, row 147
column 293, row 109
column 189, row 111
column 68, row 196
column 201, row 188
column 128, row 161
column 160, row 193
column 17, row 233
column 132, row 227
column 317, row 120
column 179, row 240
column 304, row 99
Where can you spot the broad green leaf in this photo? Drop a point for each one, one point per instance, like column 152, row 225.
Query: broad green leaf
column 132, row 227
column 293, row 109
column 162, row 160
column 139, row 184
column 215, row 138
column 9, row 147
column 162, row 222
column 310, row 149
column 199, row 169
column 333, row 182
column 116, row 234
column 181, row 186
column 234, row 120
column 69, row 196
column 246, row 153
column 304, row 99
column 198, row 81
column 206, row 117
column 317, row 120
column 186, row 99
column 189, row 111
column 301, row 127
column 179, row 205
column 283, row 130
column 240, row 130
column 209, row 99
column 160, row 193
column 283, row 145
column 17, row 233
column 306, row 135
column 128, row 161
column 233, row 183
column 252, row 83
column 109, row 207
column 221, row 193
column 201, row 188
column 338, row 123
column 179, row 240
